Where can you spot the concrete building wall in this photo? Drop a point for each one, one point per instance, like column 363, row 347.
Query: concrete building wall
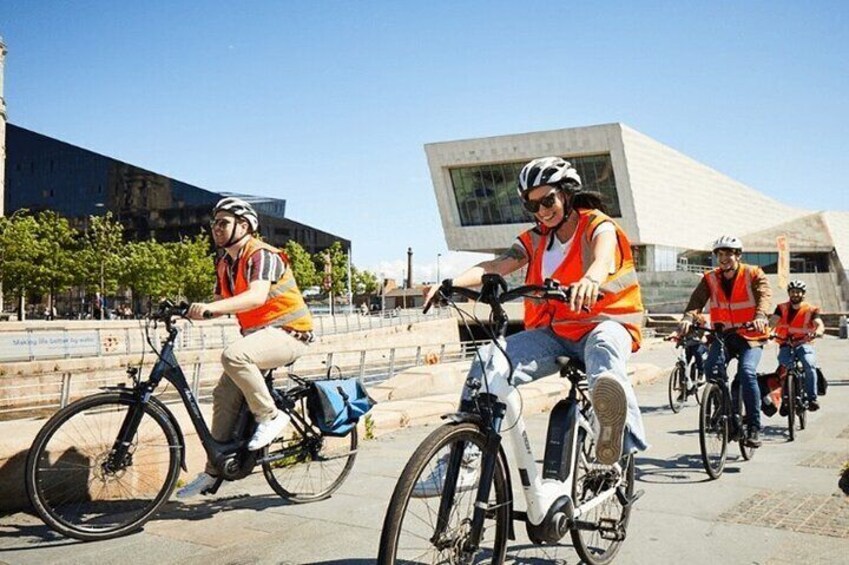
column 592, row 140
column 680, row 202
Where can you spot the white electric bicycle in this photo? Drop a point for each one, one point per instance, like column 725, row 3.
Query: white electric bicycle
column 453, row 502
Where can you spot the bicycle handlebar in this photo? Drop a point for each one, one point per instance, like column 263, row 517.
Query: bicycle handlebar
column 494, row 291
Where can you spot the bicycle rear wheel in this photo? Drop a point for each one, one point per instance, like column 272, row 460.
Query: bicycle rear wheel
column 304, row 467
column 713, row 430
column 608, row 520
column 410, row 528
column 74, row 481
column 677, row 388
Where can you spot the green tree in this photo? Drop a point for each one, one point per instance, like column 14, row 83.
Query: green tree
column 55, row 256
column 194, row 268
column 365, row 282
column 302, row 264
column 338, row 268
column 18, row 241
column 104, row 241
column 148, row 270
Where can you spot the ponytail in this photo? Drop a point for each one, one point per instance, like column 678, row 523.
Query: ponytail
column 588, row 201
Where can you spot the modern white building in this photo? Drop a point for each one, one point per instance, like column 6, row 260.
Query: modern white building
column 664, row 200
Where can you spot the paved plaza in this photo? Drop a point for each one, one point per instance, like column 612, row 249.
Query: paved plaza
column 781, row 507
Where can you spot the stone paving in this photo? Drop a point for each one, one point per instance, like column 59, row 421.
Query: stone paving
column 826, row 515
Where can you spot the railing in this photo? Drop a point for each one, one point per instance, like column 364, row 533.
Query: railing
column 688, row 268
column 44, row 394
column 35, row 344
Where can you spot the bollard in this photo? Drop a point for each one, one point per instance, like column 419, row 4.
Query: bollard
column 843, row 327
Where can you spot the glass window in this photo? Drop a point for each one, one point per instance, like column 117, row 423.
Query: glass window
column 486, row 194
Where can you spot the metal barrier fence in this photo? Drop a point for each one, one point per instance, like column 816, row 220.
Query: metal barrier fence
column 45, row 343
column 46, row 393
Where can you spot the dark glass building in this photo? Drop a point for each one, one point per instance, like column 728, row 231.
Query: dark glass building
column 45, row 173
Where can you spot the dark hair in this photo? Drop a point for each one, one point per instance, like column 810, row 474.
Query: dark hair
column 588, row 200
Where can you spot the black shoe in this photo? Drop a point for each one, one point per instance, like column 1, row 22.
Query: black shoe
column 783, row 409
column 753, row 438
column 813, row 406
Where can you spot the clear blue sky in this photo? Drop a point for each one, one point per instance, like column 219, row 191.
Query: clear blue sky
column 329, row 104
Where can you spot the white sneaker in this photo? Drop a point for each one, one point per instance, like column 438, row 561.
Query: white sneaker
column 611, row 410
column 268, row 430
column 466, row 480
column 202, row 482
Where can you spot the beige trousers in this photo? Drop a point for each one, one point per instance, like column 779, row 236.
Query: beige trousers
column 243, row 362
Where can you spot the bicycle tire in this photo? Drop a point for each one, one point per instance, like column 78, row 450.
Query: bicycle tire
column 745, row 450
column 802, row 411
column 694, row 376
column 790, row 383
column 677, row 388
column 311, row 467
column 713, row 430
column 75, row 494
column 592, row 548
column 423, row 511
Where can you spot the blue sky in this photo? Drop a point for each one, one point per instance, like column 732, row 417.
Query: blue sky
column 329, row 104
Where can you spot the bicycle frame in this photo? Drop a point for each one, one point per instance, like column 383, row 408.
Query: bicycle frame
column 501, row 405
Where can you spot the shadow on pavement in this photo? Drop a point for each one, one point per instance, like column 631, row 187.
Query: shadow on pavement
column 684, row 469
column 203, row 510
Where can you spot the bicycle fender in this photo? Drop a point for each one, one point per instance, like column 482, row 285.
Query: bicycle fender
column 461, row 417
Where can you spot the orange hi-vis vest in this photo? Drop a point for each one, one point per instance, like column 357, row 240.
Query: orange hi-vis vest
column 284, row 307
column 802, row 323
column 738, row 309
column 622, row 301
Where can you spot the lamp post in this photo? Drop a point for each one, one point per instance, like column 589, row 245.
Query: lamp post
column 438, row 279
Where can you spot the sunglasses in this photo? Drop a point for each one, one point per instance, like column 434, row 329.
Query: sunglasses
column 220, row 224
column 547, row 201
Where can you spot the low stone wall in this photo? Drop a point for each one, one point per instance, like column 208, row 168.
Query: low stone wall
column 17, row 435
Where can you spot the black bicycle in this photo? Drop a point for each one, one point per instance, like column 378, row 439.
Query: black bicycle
column 102, row 466
column 720, row 419
column 685, row 379
column 794, row 399
column 453, row 502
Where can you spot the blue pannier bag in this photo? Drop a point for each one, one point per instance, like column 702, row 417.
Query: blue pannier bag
column 336, row 405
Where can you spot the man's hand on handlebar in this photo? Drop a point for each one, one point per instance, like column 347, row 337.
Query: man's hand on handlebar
column 760, row 324
column 684, row 327
column 199, row 311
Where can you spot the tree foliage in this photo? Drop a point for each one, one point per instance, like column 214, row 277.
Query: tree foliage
column 302, row 265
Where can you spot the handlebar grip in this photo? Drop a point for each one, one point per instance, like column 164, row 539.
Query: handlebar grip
column 208, row 315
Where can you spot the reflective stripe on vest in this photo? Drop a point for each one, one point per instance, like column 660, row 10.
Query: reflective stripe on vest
column 800, row 325
column 284, row 306
column 621, row 303
column 738, row 309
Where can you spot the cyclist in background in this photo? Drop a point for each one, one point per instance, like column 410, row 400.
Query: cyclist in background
column 738, row 294
column 576, row 243
column 800, row 321
column 255, row 283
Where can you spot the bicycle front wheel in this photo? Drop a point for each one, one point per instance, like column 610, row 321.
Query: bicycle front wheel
column 304, row 467
column 713, row 430
column 75, row 481
column 677, row 388
column 605, row 525
column 802, row 409
column 745, row 450
column 790, row 383
column 420, row 528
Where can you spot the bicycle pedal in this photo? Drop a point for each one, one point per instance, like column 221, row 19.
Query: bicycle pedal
column 610, row 529
column 214, row 488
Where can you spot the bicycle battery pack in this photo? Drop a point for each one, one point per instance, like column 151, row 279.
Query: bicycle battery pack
column 558, row 445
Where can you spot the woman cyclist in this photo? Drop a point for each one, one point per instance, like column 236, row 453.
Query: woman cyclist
column 576, row 243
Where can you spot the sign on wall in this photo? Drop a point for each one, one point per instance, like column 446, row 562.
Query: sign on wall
column 783, row 261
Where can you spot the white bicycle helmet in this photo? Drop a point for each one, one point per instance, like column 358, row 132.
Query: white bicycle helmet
column 238, row 208
column 548, row 170
column 728, row 242
column 797, row 285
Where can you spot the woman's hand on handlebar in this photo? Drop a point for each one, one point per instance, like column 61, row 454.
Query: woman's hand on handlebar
column 584, row 294
column 760, row 324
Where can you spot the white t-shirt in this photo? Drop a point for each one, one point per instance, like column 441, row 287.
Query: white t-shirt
column 553, row 257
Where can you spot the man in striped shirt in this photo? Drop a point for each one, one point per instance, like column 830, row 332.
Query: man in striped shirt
column 255, row 283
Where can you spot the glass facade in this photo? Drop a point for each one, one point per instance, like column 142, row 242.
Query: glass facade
column 43, row 173
column 486, row 194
